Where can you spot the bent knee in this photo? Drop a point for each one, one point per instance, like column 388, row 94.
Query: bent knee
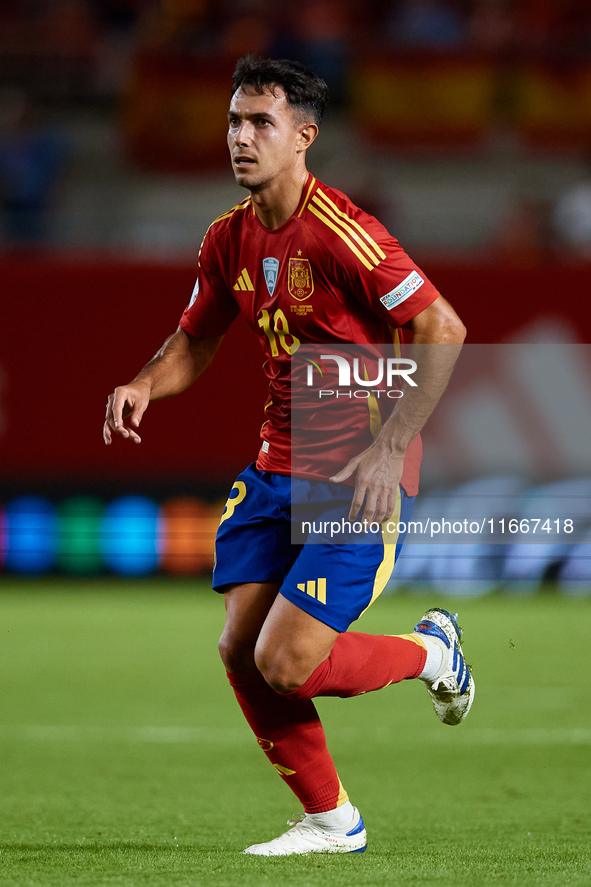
column 282, row 674
column 236, row 654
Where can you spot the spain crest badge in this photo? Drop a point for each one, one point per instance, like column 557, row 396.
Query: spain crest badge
column 300, row 282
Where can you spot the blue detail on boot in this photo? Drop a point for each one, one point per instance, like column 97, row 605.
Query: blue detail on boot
column 356, row 831
column 358, row 828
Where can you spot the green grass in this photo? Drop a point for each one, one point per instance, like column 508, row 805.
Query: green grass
column 90, row 796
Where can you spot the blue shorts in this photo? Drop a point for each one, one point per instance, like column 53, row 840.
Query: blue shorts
column 323, row 574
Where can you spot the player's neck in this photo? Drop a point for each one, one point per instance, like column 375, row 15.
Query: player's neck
column 276, row 202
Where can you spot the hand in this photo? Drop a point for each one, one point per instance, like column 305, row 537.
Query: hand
column 378, row 474
column 129, row 400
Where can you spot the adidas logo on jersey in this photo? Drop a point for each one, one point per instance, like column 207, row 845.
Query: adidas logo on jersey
column 318, row 592
column 244, row 282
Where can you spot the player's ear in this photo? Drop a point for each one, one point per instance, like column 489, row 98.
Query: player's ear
column 306, row 135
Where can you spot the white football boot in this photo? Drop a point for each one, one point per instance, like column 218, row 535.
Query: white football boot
column 452, row 691
column 306, row 837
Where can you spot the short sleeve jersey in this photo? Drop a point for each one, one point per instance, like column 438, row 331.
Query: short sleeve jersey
column 330, row 274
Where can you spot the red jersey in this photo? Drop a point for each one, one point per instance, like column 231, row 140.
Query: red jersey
column 330, row 274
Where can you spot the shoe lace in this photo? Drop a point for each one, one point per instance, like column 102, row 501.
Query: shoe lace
column 445, row 682
column 299, row 823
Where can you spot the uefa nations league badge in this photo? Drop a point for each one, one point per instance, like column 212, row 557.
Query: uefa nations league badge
column 271, row 270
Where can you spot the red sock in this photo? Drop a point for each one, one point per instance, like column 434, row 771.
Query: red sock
column 291, row 735
column 359, row 663
column 287, row 726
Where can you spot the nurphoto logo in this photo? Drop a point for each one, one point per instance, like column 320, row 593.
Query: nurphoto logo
column 389, row 370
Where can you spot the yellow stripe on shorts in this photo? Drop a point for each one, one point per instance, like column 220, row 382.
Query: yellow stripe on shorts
column 390, row 540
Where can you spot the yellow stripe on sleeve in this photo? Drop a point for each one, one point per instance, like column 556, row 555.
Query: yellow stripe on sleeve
column 348, row 229
column 343, row 236
column 355, row 223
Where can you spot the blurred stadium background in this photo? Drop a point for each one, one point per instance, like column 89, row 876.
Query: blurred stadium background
column 464, row 125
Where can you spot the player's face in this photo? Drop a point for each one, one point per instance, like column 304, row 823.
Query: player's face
column 263, row 137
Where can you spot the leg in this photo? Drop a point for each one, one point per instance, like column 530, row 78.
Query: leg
column 281, row 649
column 304, row 647
column 271, row 644
column 299, row 655
column 292, row 641
column 295, row 638
column 288, row 731
column 254, row 542
column 247, row 607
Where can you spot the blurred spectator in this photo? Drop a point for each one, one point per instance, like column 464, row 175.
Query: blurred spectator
column 184, row 26
column 492, row 26
column 48, row 47
column 547, row 28
column 31, row 158
column 116, row 43
column 68, row 28
column 249, row 29
column 435, row 24
column 556, row 28
column 324, row 31
column 572, row 217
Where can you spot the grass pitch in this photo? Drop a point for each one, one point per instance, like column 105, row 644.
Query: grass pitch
column 124, row 759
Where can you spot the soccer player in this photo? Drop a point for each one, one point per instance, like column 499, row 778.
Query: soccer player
column 305, row 265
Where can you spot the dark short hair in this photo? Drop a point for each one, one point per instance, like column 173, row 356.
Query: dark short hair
column 305, row 91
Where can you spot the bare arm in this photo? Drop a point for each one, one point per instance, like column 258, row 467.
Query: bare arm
column 379, row 468
column 179, row 362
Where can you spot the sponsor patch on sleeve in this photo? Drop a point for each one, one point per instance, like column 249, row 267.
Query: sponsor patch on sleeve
column 405, row 289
